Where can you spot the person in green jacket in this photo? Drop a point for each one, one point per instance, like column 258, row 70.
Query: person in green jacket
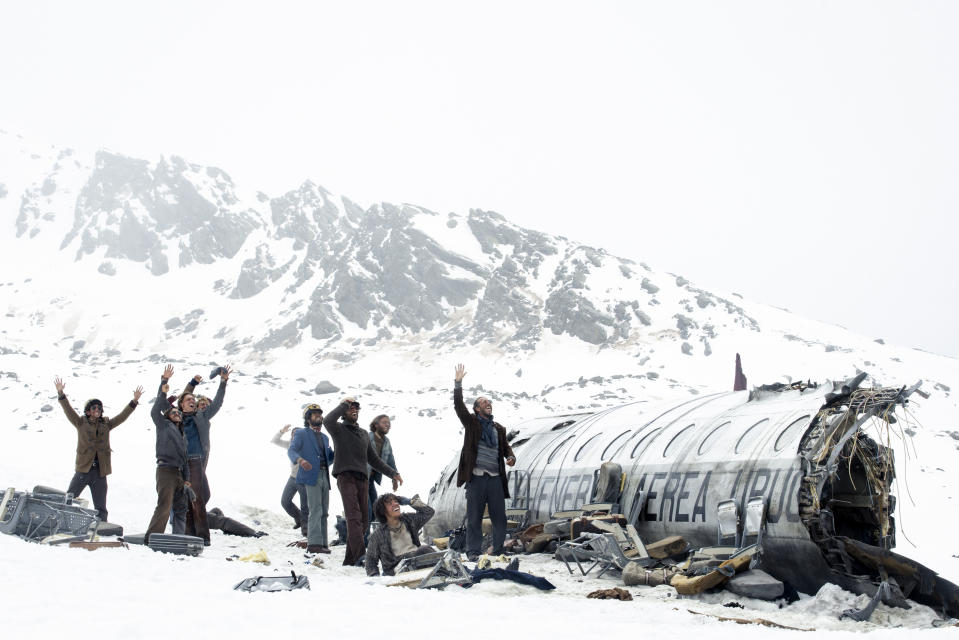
column 92, row 464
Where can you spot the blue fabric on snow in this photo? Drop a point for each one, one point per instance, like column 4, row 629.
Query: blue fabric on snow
column 514, row 576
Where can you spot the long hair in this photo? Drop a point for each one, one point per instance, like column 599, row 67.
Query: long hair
column 376, row 421
column 379, row 507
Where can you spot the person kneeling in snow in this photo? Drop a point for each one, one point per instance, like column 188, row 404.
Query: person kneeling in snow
column 396, row 538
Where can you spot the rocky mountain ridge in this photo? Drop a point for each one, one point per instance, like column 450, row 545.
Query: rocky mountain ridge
column 313, row 273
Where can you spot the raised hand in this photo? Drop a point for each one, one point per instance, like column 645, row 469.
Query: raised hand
column 197, row 379
column 168, row 372
column 285, row 428
column 58, row 383
column 225, row 374
column 460, row 373
column 137, row 393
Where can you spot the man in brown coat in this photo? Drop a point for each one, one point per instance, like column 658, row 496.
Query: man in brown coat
column 93, row 445
column 482, row 468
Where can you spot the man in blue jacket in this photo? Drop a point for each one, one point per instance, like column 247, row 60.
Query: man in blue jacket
column 310, row 449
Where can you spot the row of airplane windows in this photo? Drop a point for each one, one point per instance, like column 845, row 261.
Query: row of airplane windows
column 617, row 444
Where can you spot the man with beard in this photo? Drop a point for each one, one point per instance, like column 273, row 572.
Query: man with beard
column 310, row 449
column 354, row 452
column 196, row 427
column 173, row 469
column 92, row 465
column 379, row 427
column 482, row 468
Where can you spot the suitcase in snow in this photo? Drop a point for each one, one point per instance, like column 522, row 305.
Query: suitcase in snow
column 171, row 543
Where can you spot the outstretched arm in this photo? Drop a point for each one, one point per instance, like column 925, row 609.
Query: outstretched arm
column 377, row 463
column 217, row 401
column 156, row 412
column 461, row 411
column 278, row 438
column 118, row 419
column 72, row 415
column 329, row 422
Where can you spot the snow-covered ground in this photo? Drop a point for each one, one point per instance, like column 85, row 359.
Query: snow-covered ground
column 140, row 593
column 106, row 334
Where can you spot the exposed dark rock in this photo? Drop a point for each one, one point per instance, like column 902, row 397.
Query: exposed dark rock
column 46, row 408
column 649, row 286
column 325, row 387
column 687, row 349
column 258, row 273
column 684, row 324
column 287, row 336
column 107, row 268
column 739, row 378
column 569, row 312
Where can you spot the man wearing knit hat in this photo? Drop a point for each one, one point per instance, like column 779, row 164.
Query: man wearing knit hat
column 93, row 445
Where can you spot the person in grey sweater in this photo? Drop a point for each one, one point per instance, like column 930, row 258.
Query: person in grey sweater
column 173, row 469
column 354, row 452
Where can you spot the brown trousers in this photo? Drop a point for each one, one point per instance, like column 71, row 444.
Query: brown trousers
column 196, row 524
column 355, row 493
column 169, row 494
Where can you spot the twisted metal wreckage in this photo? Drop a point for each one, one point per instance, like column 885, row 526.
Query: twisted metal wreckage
column 798, row 450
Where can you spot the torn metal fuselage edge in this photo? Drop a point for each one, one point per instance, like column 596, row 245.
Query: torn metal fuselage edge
column 802, row 447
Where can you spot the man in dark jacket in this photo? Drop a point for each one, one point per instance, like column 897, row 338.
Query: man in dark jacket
column 310, row 449
column 354, row 452
column 92, row 465
column 398, row 536
column 482, row 468
column 173, row 470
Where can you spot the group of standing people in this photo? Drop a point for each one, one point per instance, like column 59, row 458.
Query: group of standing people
column 352, row 460
column 357, row 459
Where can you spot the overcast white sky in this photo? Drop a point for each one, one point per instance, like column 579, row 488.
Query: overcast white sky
column 803, row 154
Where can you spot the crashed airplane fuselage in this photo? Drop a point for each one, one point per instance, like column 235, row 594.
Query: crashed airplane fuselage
column 827, row 485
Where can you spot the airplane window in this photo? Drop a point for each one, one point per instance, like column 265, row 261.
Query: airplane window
column 562, row 425
column 586, row 446
column 711, row 438
column 562, row 445
column 747, row 439
column 678, row 439
column 790, row 433
column 519, row 442
column 644, row 442
column 609, row 452
column 449, row 482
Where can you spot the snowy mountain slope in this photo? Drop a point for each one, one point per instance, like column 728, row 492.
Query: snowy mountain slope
column 115, row 266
